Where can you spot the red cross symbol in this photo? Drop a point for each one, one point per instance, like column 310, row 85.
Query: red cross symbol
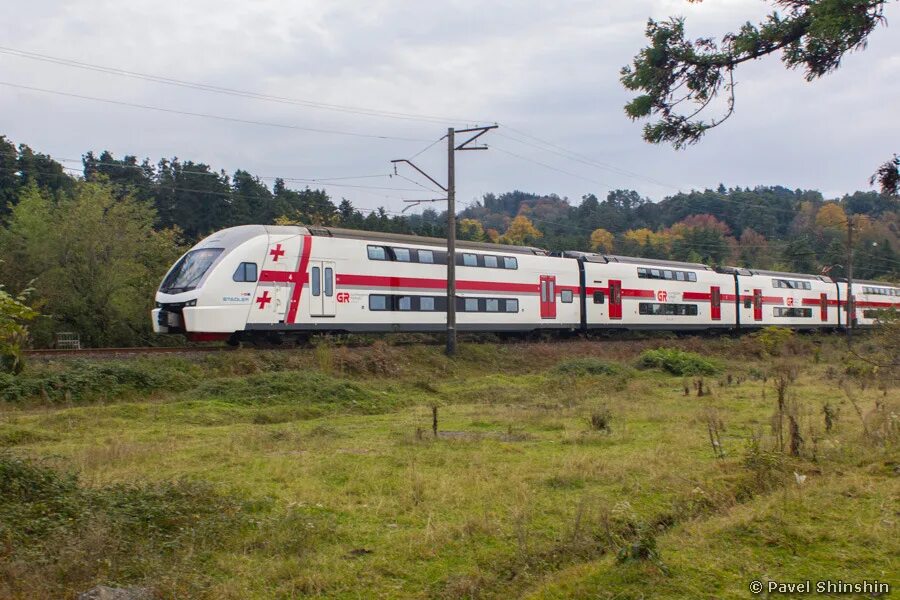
column 276, row 252
column 263, row 300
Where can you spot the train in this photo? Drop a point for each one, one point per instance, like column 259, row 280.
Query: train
column 265, row 282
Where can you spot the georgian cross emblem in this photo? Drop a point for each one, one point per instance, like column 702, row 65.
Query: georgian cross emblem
column 263, row 300
column 276, row 252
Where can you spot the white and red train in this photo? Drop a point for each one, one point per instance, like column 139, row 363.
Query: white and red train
column 257, row 280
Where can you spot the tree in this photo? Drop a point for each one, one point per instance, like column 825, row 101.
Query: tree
column 831, row 216
column 521, row 231
column 677, row 79
column 601, row 240
column 14, row 316
column 470, row 229
column 94, row 260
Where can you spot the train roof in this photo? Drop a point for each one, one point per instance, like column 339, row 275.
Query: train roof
column 377, row 236
column 824, row 278
column 869, row 282
column 615, row 258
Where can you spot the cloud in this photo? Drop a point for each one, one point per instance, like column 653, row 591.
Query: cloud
column 546, row 69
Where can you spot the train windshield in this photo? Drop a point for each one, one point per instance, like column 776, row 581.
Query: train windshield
column 188, row 272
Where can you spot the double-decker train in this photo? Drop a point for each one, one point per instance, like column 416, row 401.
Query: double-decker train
column 257, row 281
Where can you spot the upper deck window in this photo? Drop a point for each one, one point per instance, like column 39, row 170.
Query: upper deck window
column 377, row 253
column 667, row 274
column 791, row 284
column 402, row 254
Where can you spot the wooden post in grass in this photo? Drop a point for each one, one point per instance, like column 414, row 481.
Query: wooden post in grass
column 434, row 419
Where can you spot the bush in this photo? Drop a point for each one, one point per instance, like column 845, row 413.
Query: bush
column 772, row 340
column 86, row 380
column 678, row 362
column 587, row 366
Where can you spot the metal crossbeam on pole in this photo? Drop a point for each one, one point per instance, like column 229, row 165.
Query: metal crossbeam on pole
column 450, row 188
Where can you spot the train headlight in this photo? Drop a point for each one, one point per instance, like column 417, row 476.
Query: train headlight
column 191, row 303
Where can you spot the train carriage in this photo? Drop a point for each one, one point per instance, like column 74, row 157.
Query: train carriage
column 871, row 299
column 297, row 279
column 796, row 300
column 639, row 293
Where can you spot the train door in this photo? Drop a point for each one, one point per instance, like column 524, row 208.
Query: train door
column 548, row 296
column 757, row 305
column 823, row 307
column 321, row 288
column 715, row 302
column 615, row 299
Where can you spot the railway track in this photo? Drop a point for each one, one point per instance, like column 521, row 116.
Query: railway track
column 117, row 352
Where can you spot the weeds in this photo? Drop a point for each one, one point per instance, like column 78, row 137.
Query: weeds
column 678, row 362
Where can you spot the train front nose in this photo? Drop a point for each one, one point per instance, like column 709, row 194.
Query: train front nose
column 168, row 317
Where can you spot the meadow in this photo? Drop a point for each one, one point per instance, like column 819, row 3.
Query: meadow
column 672, row 468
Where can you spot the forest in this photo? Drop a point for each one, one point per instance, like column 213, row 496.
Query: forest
column 84, row 248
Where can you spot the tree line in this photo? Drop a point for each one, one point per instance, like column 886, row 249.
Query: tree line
column 87, row 248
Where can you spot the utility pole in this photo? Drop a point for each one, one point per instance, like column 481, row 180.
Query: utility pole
column 450, row 189
column 851, row 304
column 451, row 242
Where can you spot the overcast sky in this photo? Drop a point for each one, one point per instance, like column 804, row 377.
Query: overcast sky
column 544, row 69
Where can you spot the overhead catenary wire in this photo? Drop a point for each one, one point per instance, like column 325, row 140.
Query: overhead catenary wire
column 210, row 116
column 206, row 87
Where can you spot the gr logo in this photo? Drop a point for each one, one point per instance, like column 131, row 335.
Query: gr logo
column 343, row 297
column 662, row 295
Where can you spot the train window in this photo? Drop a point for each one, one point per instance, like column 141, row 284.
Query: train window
column 245, row 272
column 377, row 253
column 402, row 254
column 491, row 261
column 668, row 274
column 642, row 273
column 188, row 271
column 426, row 303
column 492, row 305
column 681, row 310
column 316, row 281
column 655, row 274
column 426, row 256
column 782, row 311
column 329, row 281
column 599, row 298
column 404, row 303
column 378, row 302
column 510, row 262
column 512, row 306
column 469, row 260
column 679, row 275
column 566, row 296
column 471, row 304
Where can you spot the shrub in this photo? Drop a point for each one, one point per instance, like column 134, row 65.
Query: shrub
column 678, row 362
column 601, row 420
column 587, row 366
column 87, row 380
column 772, row 340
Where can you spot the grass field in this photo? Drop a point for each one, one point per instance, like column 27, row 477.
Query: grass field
column 575, row 469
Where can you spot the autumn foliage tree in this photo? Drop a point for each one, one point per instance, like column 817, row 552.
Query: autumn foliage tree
column 521, row 232
column 602, row 240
